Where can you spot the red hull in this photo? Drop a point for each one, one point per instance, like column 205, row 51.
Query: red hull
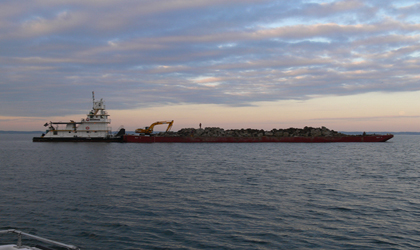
column 350, row 138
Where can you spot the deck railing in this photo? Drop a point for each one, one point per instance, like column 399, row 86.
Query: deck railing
column 20, row 233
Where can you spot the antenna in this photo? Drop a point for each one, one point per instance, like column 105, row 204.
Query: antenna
column 93, row 98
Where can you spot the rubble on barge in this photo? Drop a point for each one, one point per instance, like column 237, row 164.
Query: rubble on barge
column 219, row 135
column 220, row 132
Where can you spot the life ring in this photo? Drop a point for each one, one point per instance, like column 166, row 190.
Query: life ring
column 87, row 119
column 87, row 128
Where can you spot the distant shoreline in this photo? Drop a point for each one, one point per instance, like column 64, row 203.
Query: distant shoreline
column 132, row 132
column 381, row 133
column 20, row 132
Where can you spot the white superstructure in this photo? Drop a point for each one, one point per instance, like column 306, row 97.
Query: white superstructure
column 95, row 125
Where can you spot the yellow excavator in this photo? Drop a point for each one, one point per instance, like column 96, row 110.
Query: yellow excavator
column 149, row 130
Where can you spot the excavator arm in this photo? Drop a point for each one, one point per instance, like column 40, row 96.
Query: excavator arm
column 149, row 130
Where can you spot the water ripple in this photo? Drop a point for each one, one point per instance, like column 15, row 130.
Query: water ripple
column 213, row 196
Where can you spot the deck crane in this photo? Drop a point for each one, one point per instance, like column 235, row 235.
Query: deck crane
column 149, row 130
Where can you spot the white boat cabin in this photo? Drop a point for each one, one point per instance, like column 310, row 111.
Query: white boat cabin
column 96, row 124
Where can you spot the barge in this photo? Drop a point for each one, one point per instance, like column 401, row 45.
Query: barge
column 255, row 139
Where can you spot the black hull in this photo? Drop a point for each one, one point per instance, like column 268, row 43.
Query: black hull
column 76, row 139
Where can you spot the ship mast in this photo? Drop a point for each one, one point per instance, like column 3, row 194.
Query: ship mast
column 93, row 98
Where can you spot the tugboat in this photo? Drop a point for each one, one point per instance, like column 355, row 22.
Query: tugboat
column 93, row 128
column 34, row 237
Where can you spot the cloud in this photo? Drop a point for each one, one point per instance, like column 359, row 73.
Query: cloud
column 234, row 53
column 369, row 118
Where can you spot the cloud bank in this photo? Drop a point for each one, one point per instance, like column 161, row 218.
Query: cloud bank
column 236, row 53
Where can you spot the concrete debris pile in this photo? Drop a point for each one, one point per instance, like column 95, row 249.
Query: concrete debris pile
column 219, row 132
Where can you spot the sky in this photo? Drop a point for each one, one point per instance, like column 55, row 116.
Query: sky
column 348, row 65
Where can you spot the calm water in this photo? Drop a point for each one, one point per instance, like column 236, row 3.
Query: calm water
column 213, row 196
